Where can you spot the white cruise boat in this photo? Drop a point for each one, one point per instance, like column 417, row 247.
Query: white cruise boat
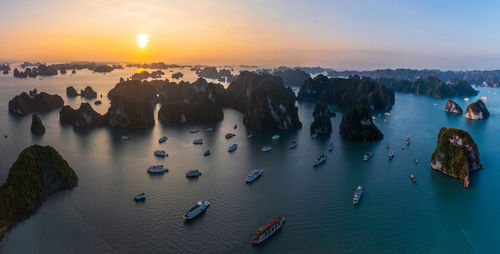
column 193, row 173
column 390, row 155
column 230, row 135
column 268, row 230
column 198, row 141
column 387, row 114
column 232, row 147
column 367, row 156
column 158, row 169
column 194, row 211
column 408, row 141
column 357, row 195
column 266, row 149
column 194, row 131
column 313, row 136
column 330, row 148
column 125, row 138
column 160, row 153
column 292, row 145
column 254, row 174
column 275, row 137
column 320, row 160
column 250, row 136
column 209, row 129
column 140, row 197
column 162, row 139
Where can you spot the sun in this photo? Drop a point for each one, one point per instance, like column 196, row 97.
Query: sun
column 142, row 40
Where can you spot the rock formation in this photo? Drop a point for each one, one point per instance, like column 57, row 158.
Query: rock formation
column 203, row 110
column 37, row 127
column 456, row 154
column 23, row 104
column 357, row 125
column 129, row 112
column 84, row 116
column 38, row 172
column 145, row 75
column 477, row 110
column 88, row 93
column 177, row 75
column 452, row 107
column 71, row 91
column 322, row 123
column 431, row 86
column 291, row 77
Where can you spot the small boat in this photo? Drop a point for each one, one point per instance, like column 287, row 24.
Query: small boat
column 413, row 179
column 313, row 136
column 250, row 136
column 373, row 118
column 402, row 148
column 330, row 148
column 162, row 139
column 232, row 147
column 390, row 155
column 275, row 137
column 466, row 99
column 230, row 135
column 266, row 149
column 209, row 129
column 387, row 114
column 408, row 141
column 292, row 145
column 235, row 126
column 194, row 211
column 254, row 174
column 194, row 131
column 367, row 156
column 198, row 141
column 387, row 146
column 193, row 173
column 484, row 98
column 267, row 230
column 140, row 197
column 160, row 153
column 320, row 160
column 125, row 138
column 415, row 161
column 357, row 195
column 206, row 153
column 386, row 121
column 157, row 169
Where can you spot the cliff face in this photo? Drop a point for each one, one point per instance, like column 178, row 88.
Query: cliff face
column 291, row 77
column 23, row 104
column 347, row 93
column 477, row 111
column 37, row 127
column 264, row 101
column 71, row 91
column 88, row 93
column 203, row 110
column 430, row 86
column 452, row 107
column 85, row 116
column 322, row 123
column 456, row 154
column 357, row 125
column 38, row 172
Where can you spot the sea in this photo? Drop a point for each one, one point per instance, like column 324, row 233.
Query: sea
column 435, row 215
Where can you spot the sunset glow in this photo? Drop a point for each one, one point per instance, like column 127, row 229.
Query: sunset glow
column 142, row 40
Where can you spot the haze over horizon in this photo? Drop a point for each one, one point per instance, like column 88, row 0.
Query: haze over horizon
column 446, row 35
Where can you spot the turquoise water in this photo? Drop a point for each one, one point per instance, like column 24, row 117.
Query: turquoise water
column 437, row 215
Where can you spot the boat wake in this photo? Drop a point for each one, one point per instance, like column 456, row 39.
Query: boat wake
column 468, row 240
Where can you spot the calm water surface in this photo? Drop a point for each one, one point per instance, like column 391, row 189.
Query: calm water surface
column 437, row 215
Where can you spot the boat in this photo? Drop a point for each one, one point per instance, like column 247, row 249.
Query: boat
column 232, row 147
column 466, row 99
column 266, row 149
column 235, row 126
column 140, row 197
column 194, row 211
column 157, row 169
column 387, row 146
column 194, row 131
column 357, row 195
column 292, row 145
column 387, row 114
column 390, row 155
column 125, row 138
column 320, row 160
column 408, row 141
column 160, row 153
column 275, row 137
column 162, row 139
column 193, row 173
column 254, row 174
column 386, row 121
column 313, row 136
column 206, row 153
column 330, row 148
column 198, row 141
column 402, row 148
column 367, row 156
column 373, row 118
column 415, row 161
column 484, row 98
column 250, row 136
column 267, row 230
column 413, row 179
column 230, row 135
column 209, row 129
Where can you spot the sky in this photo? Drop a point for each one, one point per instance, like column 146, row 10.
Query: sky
column 353, row 34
